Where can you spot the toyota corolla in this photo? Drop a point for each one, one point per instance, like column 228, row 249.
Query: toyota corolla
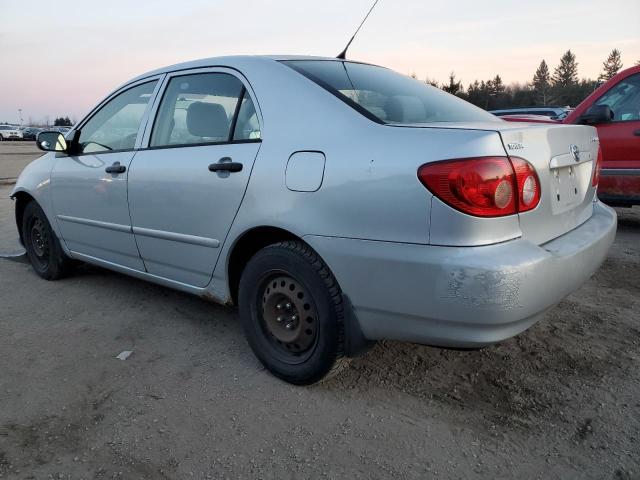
column 335, row 202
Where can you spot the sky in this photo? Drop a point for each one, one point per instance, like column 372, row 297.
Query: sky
column 60, row 58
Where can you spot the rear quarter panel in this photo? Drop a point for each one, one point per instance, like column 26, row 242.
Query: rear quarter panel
column 370, row 188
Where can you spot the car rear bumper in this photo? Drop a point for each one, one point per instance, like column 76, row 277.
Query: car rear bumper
column 463, row 296
column 620, row 186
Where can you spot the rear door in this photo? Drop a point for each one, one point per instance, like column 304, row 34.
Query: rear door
column 187, row 185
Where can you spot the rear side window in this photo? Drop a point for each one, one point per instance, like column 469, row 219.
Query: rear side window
column 202, row 109
column 386, row 96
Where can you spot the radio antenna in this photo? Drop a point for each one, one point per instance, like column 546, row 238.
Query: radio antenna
column 343, row 54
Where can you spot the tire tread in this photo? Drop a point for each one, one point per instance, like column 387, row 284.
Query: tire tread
column 308, row 254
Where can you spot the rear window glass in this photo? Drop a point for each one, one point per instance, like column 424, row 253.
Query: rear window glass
column 386, row 96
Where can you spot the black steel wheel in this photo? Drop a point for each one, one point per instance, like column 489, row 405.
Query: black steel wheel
column 292, row 312
column 289, row 316
column 42, row 245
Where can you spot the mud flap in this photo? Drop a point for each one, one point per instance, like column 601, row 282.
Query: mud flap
column 355, row 343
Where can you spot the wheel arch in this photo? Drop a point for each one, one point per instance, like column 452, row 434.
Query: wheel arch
column 256, row 238
column 22, row 199
column 246, row 246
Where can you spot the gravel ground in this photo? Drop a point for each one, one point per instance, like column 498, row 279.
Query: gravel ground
column 561, row 400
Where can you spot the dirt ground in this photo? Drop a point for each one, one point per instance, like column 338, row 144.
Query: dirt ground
column 561, row 400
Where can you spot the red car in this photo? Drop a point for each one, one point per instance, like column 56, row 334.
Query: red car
column 614, row 109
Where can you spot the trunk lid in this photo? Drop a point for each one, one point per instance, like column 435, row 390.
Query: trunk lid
column 564, row 157
column 565, row 176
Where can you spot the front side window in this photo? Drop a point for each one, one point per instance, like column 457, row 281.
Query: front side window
column 624, row 99
column 200, row 109
column 115, row 126
column 386, row 96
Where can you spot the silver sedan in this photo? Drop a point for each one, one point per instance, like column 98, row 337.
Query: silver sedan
column 335, row 202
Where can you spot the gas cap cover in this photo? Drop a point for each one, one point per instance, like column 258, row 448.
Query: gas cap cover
column 305, row 171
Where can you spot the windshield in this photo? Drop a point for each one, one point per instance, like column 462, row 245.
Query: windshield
column 386, row 96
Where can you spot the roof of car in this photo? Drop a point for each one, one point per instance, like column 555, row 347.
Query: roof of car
column 228, row 60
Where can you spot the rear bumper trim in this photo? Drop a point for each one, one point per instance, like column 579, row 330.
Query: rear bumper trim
column 463, row 296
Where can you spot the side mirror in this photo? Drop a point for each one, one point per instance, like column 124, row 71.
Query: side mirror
column 51, row 141
column 597, row 114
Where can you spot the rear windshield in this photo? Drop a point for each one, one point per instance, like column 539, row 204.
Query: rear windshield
column 386, row 96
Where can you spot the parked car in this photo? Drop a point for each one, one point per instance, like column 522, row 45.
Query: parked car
column 30, row 133
column 336, row 202
column 614, row 109
column 10, row 132
column 554, row 113
column 61, row 129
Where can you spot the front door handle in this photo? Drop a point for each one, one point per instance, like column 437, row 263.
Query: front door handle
column 116, row 168
column 225, row 165
column 637, row 133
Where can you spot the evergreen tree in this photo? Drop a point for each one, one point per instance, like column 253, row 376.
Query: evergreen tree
column 432, row 82
column 474, row 95
column 565, row 80
column 497, row 87
column 454, row 88
column 611, row 65
column 542, row 82
column 566, row 74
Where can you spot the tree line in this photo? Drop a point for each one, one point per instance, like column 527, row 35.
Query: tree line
column 62, row 122
column 562, row 87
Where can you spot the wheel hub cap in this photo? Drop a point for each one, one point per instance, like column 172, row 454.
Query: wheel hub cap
column 38, row 238
column 289, row 315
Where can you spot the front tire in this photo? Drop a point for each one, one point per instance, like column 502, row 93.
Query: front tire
column 292, row 313
column 42, row 245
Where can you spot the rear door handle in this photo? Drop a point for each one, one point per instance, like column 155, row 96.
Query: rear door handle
column 225, row 165
column 637, row 133
column 116, row 168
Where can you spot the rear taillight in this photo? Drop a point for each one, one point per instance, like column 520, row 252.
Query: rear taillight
column 484, row 186
column 596, row 169
column 528, row 184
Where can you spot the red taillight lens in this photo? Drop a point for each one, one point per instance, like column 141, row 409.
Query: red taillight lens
column 484, row 186
column 528, row 184
column 596, row 169
column 478, row 186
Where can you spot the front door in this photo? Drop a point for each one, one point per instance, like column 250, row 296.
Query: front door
column 620, row 138
column 89, row 186
column 186, row 187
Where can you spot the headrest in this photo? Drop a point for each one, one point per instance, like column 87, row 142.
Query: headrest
column 405, row 109
column 207, row 120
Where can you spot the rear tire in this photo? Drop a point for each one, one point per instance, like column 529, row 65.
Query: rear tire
column 292, row 313
column 43, row 247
